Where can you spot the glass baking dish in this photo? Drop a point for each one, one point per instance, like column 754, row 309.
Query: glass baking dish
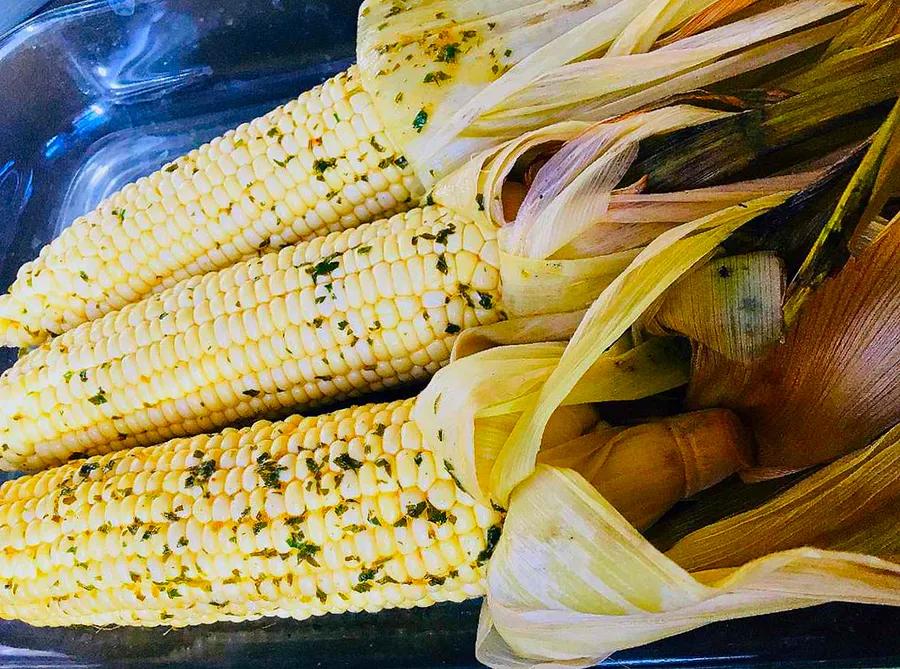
column 99, row 93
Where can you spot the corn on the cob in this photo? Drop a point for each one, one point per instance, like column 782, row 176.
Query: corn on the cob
column 319, row 163
column 343, row 512
column 327, row 319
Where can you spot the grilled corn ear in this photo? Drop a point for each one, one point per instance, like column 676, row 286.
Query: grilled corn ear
column 353, row 312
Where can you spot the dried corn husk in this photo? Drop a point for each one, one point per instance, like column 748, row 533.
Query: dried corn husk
column 499, row 382
column 601, row 88
column 875, row 21
column 818, row 109
column 831, row 387
column 716, row 13
column 868, row 191
column 527, row 330
column 554, row 599
column 511, row 63
column 634, row 220
column 572, row 190
column 643, row 470
column 657, row 267
column 836, row 507
column 732, row 306
column 552, row 595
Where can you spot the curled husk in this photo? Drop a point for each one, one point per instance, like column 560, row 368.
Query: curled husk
column 831, row 387
column 554, row 599
column 731, row 305
column 643, row 470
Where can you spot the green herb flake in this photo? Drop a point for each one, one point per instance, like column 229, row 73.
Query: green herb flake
column 436, row 77
column 149, row 532
column 448, row 53
column 199, row 474
column 384, row 464
column 441, row 264
column 420, row 121
column 324, row 267
column 306, row 550
column 452, row 328
column 450, row 470
column 269, row 471
column 323, row 164
column 435, row 515
column 345, row 461
column 99, row 398
column 86, row 469
column 416, row 510
column 493, row 536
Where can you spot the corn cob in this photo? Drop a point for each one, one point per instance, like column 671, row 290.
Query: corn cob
column 348, row 511
column 343, row 512
column 319, row 163
column 353, row 312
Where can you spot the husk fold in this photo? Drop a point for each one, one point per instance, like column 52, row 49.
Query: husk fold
column 501, row 68
column 554, row 598
column 620, row 305
column 831, row 387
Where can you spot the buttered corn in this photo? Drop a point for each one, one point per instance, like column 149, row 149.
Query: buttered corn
column 318, row 164
column 338, row 316
column 344, row 512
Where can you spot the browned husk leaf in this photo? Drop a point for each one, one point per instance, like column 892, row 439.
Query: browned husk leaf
column 832, row 386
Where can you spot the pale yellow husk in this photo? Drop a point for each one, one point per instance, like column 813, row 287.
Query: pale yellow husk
column 511, row 65
column 732, row 306
column 620, row 305
column 554, row 596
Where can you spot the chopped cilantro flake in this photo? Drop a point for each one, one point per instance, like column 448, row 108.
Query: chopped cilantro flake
column 420, row 120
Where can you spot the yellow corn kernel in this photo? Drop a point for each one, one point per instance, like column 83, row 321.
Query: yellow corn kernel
column 277, row 332
column 287, row 176
column 99, row 541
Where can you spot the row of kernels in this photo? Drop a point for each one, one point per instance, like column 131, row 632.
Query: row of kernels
column 180, row 186
column 189, row 307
